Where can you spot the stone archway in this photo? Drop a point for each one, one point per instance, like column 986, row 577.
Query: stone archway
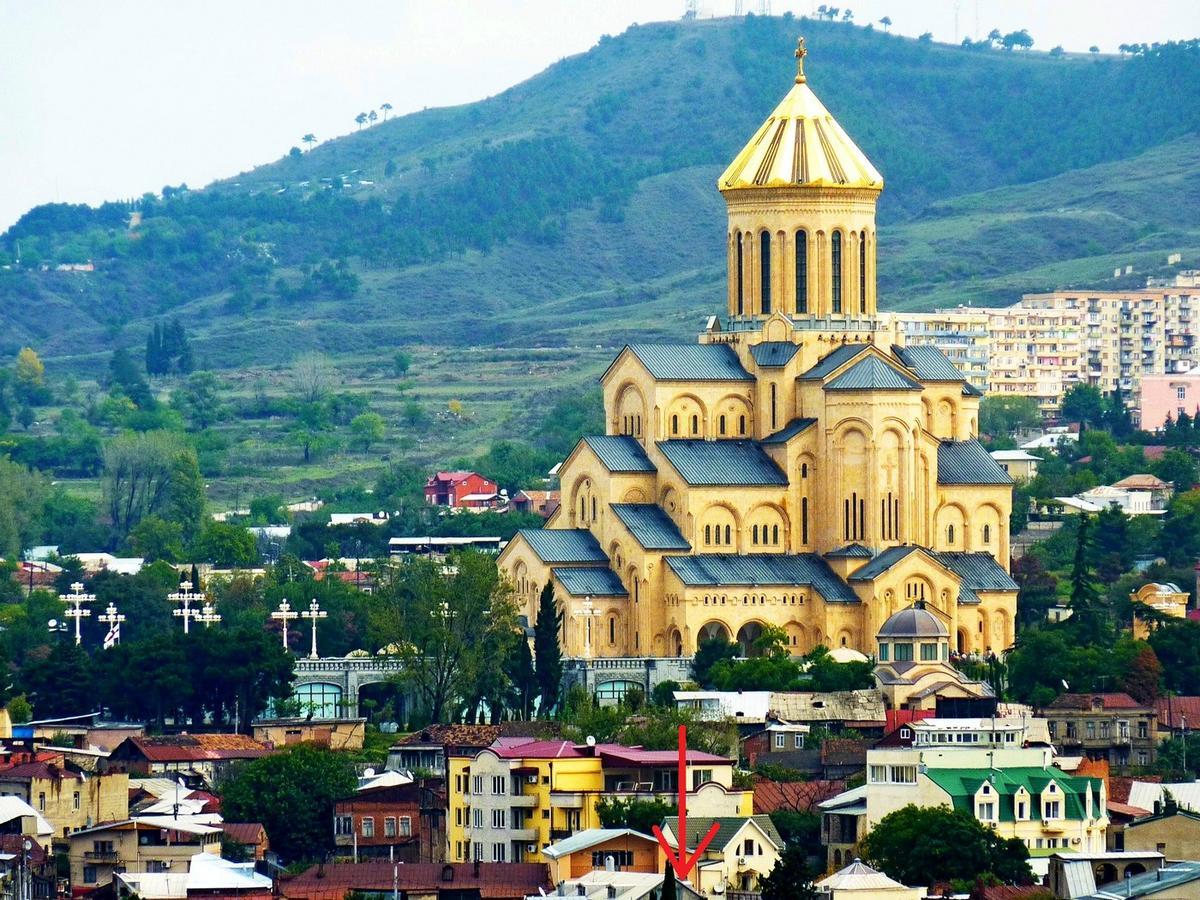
column 746, row 636
column 712, row 630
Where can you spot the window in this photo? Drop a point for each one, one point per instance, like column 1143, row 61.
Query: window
column 862, row 272
column 620, row 858
column 368, row 826
column 478, row 788
column 986, row 811
column 804, row 519
column 798, row 741
column 674, row 424
column 695, row 425
column 929, row 652
column 345, row 824
column 775, row 534
column 389, row 826
column 42, row 801
column 701, row 776
column 741, row 425
column 883, row 652
column 75, row 799
column 1143, row 758
column 477, row 816
column 89, row 874
column 878, row 774
column 708, row 534
column 987, row 534
column 740, row 280
column 764, row 241
column 903, row 652
column 478, row 851
column 1021, row 810
column 754, row 539
column 458, row 815
column 950, row 534
column 612, row 629
column 1051, row 809
column 499, row 818
column 498, row 852
column 801, row 271
column 780, row 740
column 727, row 535
column 835, row 244
column 1180, row 393
column 903, row 774
column 499, row 784
column 1143, row 731
column 721, row 425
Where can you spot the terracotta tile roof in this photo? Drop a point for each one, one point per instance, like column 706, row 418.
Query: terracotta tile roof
column 453, row 736
column 249, row 833
column 14, row 843
column 1085, row 701
column 801, row 796
column 43, row 770
column 494, row 881
column 1011, row 892
column 1171, row 711
column 1119, row 786
column 198, row 747
column 1124, row 809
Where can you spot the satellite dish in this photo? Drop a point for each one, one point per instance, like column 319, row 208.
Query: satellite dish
column 591, row 740
column 369, row 773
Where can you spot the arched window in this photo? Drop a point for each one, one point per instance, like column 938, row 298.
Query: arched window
column 741, row 425
column 862, row 272
column 695, row 425
column 835, row 267
column 987, row 534
column 765, row 267
column 708, row 534
column 774, row 534
column 582, row 509
column 639, row 426
column 741, row 287
column 674, row 424
column 950, row 534
column 754, row 539
column 612, row 629
column 721, row 425
column 803, row 470
column 718, row 534
column 728, row 540
column 593, row 509
column 801, row 271
column 773, row 425
column 804, row 520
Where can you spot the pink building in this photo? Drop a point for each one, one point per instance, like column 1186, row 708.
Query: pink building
column 1168, row 395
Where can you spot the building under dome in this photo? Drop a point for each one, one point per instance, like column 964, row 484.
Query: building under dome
column 913, row 662
column 798, row 466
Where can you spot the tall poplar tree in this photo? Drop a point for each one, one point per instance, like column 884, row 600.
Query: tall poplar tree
column 546, row 650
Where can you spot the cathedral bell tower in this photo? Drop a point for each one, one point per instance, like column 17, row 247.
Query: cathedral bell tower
column 801, row 201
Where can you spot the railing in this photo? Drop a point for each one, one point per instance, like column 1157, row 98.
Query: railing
column 351, row 664
column 101, row 856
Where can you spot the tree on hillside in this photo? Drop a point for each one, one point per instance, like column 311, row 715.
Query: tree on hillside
column 1001, row 416
column 199, row 400
column 225, row 545
column 368, row 428
column 1093, row 49
column 29, row 378
column 1142, row 680
column 886, row 22
column 372, row 116
column 124, row 377
column 23, row 495
column 309, row 139
column 1089, row 619
column 1084, row 404
column 1177, row 467
column 292, row 793
column 1057, row 51
column 386, row 108
column 791, row 878
column 150, row 473
column 547, row 652
column 1017, row 39
column 1177, row 646
column 312, row 376
column 709, row 652
column 361, row 119
column 931, row 845
column 995, row 37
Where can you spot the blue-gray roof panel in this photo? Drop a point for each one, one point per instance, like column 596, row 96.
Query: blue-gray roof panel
column 789, row 431
column 872, row 374
column 928, row 363
column 978, row 571
column 966, row 462
column 650, row 526
column 773, row 354
column 710, row 463
column 691, row 362
column 563, row 545
column 835, row 359
column 883, row 562
column 619, row 453
column 849, row 551
column 594, row 581
column 766, row 569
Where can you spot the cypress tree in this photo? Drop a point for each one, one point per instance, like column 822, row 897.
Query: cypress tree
column 546, row 650
column 668, row 888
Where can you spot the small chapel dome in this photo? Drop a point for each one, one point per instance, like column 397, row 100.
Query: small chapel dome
column 914, row 622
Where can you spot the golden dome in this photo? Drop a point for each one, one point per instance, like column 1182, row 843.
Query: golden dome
column 800, row 145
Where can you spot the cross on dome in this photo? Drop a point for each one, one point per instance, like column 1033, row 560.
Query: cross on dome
column 801, row 52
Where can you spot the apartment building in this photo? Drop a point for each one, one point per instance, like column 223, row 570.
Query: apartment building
column 961, row 334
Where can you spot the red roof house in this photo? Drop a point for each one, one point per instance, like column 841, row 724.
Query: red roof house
column 461, row 490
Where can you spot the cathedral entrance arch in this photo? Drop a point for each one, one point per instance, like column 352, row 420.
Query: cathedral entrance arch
column 747, row 635
column 964, row 641
column 675, row 642
column 711, row 631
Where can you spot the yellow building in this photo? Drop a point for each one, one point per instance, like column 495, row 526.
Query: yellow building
column 68, row 799
column 1166, row 600
column 141, row 844
column 510, row 801
column 743, row 851
column 756, row 478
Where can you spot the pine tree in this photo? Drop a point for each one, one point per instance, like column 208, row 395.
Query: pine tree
column 668, row 888
column 546, row 650
column 518, row 666
column 1087, row 614
column 196, row 578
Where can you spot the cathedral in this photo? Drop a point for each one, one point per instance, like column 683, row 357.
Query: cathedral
column 795, row 467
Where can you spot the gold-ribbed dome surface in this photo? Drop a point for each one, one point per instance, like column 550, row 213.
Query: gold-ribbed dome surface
column 800, row 145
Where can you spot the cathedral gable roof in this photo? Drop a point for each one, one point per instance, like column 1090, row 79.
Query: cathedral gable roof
column 789, row 431
column 688, row 362
column 834, row 360
column 619, row 453
column 563, row 545
column 872, row 374
column 650, row 526
column 883, row 562
column 741, row 463
column 850, row 551
column 928, row 363
column 773, row 354
column 978, row 571
column 966, row 462
column 761, row 569
column 590, row 581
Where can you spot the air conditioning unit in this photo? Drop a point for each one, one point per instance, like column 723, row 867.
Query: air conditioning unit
column 1075, row 841
column 531, row 779
column 741, row 862
column 531, row 848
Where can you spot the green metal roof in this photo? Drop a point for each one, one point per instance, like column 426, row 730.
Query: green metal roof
column 789, row 431
column 872, row 374
column 966, row 462
column 961, row 785
column 978, row 571
column 834, row 360
column 928, row 363
column 594, row 581
column 691, row 362
column 619, row 453
column 766, row 569
column 883, row 562
column 741, row 463
column 729, row 826
column 650, row 526
column 563, row 545
column 773, row 354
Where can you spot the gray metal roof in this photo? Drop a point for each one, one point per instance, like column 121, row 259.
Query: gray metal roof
column 773, row 354
column 969, row 390
column 563, row 545
column 914, row 622
column 691, row 362
column 978, row 571
column 722, row 463
column 619, row 453
column 928, row 363
column 789, row 431
column 883, row 562
column 727, row 569
column 872, row 374
column 650, row 526
column 850, row 551
column 594, row 581
column 966, row 462
column 834, row 360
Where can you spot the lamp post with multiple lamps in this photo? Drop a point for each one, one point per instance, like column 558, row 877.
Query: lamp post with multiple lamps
column 283, row 615
column 113, row 620
column 185, row 597
column 313, row 614
column 207, row 615
column 77, row 611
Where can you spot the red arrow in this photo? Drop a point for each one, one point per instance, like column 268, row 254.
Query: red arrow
column 683, row 864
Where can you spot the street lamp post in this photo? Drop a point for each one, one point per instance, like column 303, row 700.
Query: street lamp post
column 207, row 615
column 313, row 613
column 285, row 614
column 113, row 620
column 185, row 597
column 75, row 601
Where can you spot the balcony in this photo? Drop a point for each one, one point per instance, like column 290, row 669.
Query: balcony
column 564, row 800
column 530, row 835
column 1054, row 825
column 102, row 856
column 524, row 801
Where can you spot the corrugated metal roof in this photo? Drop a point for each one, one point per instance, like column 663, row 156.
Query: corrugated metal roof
column 928, row 363
column 582, row 840
column 835, row 360
column 978, row 571
column 691, row 362
column 619, row 453
column 969, row 390
column 872, row 374
column 563, row 545
column 883, row 562
column 773, row 354
column 729, row 828
column 850, row 551
column 789, row 431
column 650, row 526
column 720, row 569
column 595, row 581
column 966, row 462
column 722, row 463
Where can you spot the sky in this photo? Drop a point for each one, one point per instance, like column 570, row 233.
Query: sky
column 108, row 100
